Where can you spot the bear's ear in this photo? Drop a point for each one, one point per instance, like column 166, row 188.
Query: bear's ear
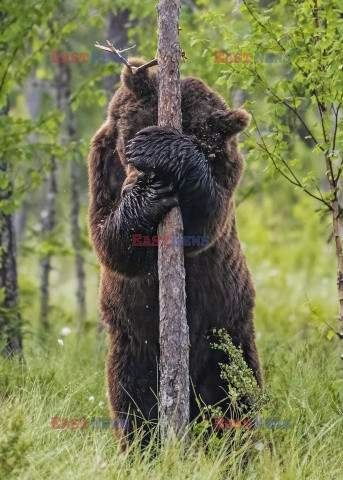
column 142, row 82
column 229, row 122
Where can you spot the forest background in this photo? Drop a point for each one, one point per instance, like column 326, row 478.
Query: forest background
column 54, row 347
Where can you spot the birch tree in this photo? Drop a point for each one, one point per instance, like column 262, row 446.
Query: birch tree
column 308, row 89
column 174, row 334
column 70, row 139
column 48, row 213
column 10, row 319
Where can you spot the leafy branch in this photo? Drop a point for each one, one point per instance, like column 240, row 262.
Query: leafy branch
column 295, row 181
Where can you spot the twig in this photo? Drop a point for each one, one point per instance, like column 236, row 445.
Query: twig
column 294, row 110
column 296, row 181
column 108, row 49
column 132, row 68
column 330, row 175
column 336, row 125
column 334, row 142
column 152, row 63
column 111, row 48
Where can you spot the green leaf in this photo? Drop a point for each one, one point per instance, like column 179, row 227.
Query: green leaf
column 221, row 80
column 330, row 334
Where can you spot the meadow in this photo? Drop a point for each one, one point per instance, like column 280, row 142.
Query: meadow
column 291, row 266
column 48, row 114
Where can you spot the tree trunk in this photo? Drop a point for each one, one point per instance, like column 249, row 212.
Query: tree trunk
column 336, row 224
column 335, row 188
column 48, row 219
column 48, row 213
column 174, row 335
column 338, row 234
column 63, row 91
column 339, row 254
column 76, row 239
column 33, row 91
column 75, row 201
column 10, row 319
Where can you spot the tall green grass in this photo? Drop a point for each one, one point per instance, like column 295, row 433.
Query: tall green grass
column 302, row 376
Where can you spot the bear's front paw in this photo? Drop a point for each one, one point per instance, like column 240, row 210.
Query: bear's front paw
column 159, row 199
column 154, row 150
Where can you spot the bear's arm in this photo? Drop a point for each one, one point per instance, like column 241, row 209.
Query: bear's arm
column 113, row 218
column 210, row 210
column 205, row 181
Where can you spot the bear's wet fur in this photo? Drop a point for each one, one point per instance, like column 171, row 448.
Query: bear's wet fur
column 198, row 170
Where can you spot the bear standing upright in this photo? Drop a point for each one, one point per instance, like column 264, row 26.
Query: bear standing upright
column 136, row 175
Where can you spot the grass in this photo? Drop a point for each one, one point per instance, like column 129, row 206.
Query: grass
column 303, row 384
column 302, row 376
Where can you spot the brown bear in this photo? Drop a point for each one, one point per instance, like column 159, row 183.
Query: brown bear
column 136, row 175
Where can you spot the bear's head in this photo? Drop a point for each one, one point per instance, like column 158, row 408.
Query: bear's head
column 204, row 113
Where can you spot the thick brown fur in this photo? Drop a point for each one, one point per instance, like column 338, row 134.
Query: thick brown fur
column 219, row 289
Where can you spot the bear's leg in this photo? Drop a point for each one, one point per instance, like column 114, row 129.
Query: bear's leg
column 132, row 387
column 251, row 357
column 211, row 388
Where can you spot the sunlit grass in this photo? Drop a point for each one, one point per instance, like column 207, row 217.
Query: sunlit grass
column 302, row 377
column 302, row 381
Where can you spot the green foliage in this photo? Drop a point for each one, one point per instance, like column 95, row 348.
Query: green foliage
column 286, row 244
column 301, row 375
column 242, row 388
column 28, row 33
column 13, row 443
column 291, row 94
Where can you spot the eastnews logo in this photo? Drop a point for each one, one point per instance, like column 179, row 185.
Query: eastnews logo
column 99, row 423
column 258, row 423
column 95, row 56
column 249, row 57
column 139, row 240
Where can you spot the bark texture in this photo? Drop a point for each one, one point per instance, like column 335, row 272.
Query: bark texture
column 335, row 184
column 174, row 334
column 339, row 254
column 10, row 320
column 335, row 187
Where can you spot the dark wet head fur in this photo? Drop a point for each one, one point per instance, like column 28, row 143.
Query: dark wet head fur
column 204, row 113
